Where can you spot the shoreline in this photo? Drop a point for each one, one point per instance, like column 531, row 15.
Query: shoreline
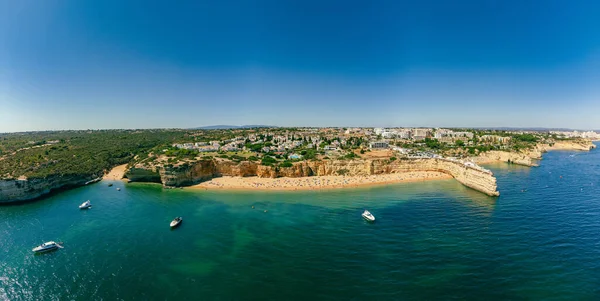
column 315, row 182
column 115, row 174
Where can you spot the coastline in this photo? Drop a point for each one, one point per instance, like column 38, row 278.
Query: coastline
column 316, row 182
column 115, row 174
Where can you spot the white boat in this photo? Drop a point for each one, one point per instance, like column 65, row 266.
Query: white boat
column 368, row 216
column 85, row 205
column 118, row 189
column 47, row 246
column 176, row 222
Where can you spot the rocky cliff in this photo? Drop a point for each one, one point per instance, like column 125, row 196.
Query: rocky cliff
column 190, row 173
column 527, row 158
column 530, row 157
column 16, row 190
column 580, row 145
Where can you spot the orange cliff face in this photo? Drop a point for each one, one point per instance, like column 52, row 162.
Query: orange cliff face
column 195, row 172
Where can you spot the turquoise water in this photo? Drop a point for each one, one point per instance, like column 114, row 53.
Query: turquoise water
column 540, row 240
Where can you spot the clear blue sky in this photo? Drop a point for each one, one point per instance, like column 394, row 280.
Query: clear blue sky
column 76, row 64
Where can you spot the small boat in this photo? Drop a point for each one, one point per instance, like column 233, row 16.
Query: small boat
column 368, row 216
column 47, row 246
column 85, row 205
column 110, row 185
column 176, row 222
column 118, row 189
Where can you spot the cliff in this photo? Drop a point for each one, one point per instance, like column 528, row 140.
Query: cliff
column 12, row 190
column 529, row 157
column 579, row 145
column 526, row 158
column 190, row 173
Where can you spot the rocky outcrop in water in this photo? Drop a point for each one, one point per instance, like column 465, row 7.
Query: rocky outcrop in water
column 190, row 173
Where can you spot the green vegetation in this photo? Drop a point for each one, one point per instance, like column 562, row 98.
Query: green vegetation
column 286, row 164
column 433, row 143
column 256, row 147
column 268, row 161
column 78, row 152
column 181, row 153
column 343, row 172
column 308, row 154
column 525, row 138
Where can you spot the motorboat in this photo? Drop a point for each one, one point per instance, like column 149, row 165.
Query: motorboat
column 118, row 189
column 47, row 246
column 176, row 222
column 368, row 216
column 110, row 184
column 85, row 205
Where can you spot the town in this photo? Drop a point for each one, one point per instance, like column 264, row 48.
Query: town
column 272, row 145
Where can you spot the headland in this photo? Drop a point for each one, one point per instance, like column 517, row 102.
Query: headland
column 34, row 164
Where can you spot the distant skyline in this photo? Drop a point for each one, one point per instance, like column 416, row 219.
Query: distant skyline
column 77, row 64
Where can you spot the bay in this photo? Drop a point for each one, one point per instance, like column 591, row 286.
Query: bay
column 435, row 240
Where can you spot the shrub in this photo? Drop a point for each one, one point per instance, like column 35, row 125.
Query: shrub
column 267, row 160
column 342, row 172
column 286, row 164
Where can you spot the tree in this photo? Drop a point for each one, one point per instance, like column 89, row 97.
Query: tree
column 459, row 143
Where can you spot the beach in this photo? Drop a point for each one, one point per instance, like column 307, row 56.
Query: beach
column 116, row 173
column 317, row 182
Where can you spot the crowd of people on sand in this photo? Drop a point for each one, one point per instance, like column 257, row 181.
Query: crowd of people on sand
column 316, row 182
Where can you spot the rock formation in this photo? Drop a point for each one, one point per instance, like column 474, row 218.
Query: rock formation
column 190, row 173
column 16, row 190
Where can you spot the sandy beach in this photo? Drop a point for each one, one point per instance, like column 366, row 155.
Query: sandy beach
column 116, row 173
column 312, row 183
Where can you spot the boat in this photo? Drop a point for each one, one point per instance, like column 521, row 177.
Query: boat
column 47, row 246
column 118, row 189
column 110, row 184
column 85, row 205
column 176, row 222
column 368, row 216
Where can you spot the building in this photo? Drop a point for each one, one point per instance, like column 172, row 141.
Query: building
column 379, row 145
column 420, row 134
column 495, row 139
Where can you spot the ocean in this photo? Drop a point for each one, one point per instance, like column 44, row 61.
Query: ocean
column 436, row 240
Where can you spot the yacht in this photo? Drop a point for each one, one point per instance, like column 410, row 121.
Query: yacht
column 368, row 216
column 85, row 205
column 47, row 246
column 176, row 222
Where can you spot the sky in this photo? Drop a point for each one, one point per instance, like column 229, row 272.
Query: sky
column 78, row 64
